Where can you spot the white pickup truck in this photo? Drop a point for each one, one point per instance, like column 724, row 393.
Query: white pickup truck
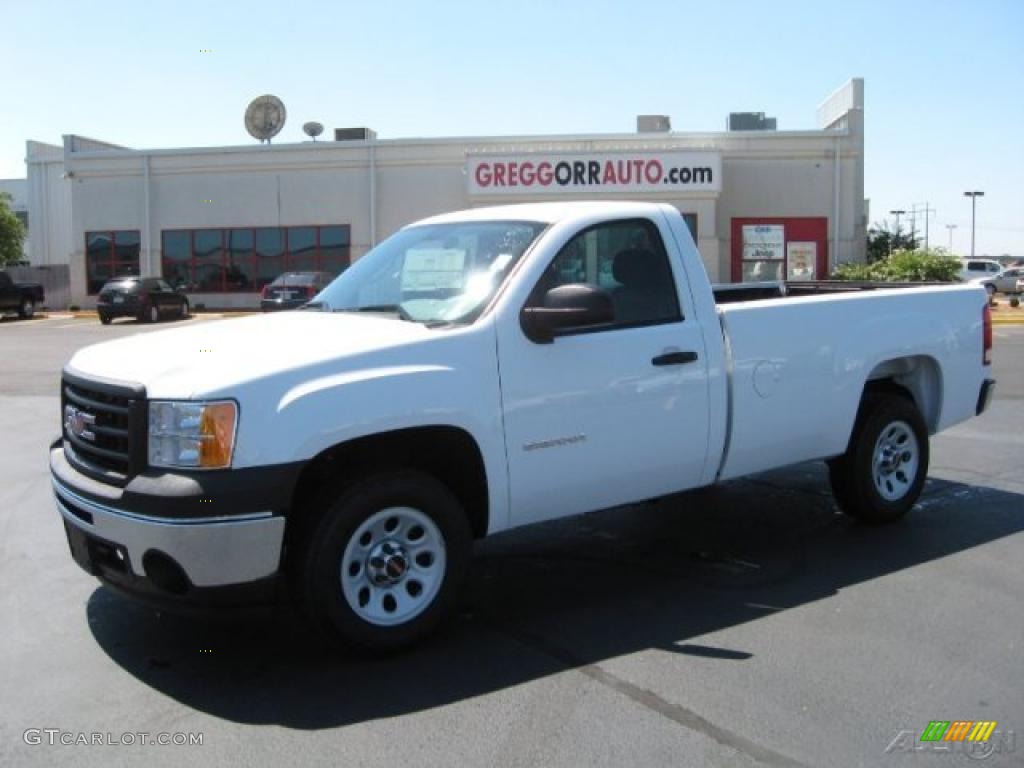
column 478, row 371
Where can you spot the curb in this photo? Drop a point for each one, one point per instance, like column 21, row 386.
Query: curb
column 83, row 314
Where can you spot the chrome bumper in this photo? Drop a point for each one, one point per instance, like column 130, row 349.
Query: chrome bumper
column 213, row 551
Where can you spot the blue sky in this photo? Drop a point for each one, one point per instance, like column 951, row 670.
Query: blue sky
column 944, row 80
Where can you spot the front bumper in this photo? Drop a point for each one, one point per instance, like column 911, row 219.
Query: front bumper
column 168, row 553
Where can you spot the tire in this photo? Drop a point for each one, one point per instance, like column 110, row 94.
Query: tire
column 375, row 587
column 183, row 310
column 882, row 473
column 153, row 314
column 27, row 308
column 105, row 319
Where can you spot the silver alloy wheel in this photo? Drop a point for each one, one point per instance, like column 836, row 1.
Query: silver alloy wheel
column 895, row 462
column 28, row 308
column 393, row 566
column 154, row 314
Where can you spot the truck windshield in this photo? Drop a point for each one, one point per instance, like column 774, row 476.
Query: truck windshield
column 435, row 274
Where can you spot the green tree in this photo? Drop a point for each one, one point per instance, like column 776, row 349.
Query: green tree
column 883, row 242
column 12, row 233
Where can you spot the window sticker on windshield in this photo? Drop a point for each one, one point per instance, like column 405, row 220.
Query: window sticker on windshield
column 428, row 269
column 500, row 262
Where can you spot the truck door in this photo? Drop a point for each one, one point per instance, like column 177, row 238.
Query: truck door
column 614, row 413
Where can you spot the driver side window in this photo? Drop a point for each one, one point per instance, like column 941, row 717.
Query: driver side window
column 627, row 258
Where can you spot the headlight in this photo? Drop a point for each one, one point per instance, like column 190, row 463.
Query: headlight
column 190, row 434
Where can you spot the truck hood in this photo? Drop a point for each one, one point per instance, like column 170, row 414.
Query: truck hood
column 207, row 357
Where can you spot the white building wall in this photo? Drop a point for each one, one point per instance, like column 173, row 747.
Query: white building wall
column 49, row 201
column 764, row 174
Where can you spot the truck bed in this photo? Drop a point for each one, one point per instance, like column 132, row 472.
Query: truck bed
column 799, row 365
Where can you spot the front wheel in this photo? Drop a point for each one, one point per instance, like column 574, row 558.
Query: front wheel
column 883, row 471
column 154, row 314
column 105, row 318
column 27, row 308
column 183, row 311
column 383, row 564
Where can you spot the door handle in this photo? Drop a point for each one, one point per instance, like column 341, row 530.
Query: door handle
column 675, row 358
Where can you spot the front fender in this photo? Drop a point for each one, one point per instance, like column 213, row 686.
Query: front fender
column 451, row 381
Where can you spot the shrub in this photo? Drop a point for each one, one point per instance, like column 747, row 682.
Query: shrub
column 918, row 266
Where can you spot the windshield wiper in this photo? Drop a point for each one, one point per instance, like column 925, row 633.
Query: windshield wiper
column 385, row 308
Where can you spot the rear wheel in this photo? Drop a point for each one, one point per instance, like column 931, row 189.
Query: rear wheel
column 183, row 310
column 27, row 308
column 104, row 318
column 154, row 313
column 382, row 566
column 882, row 473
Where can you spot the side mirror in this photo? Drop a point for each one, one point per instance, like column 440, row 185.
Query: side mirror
column 567, row 308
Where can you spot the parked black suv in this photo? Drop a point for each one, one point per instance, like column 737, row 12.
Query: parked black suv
column 146, row 298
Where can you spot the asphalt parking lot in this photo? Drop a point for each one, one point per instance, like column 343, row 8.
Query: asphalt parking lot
column 747, row 624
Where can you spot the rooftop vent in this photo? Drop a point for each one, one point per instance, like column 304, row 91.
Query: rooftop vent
column 749, row 121
column 653, row 124
column 354, row 134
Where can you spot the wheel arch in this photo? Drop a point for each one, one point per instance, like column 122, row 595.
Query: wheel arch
column 449, row 453
column 918, row 377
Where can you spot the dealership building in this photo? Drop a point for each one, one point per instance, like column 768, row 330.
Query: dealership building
column 221, row 222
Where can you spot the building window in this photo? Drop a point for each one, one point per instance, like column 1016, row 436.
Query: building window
column 108, row 255
column 244, row 259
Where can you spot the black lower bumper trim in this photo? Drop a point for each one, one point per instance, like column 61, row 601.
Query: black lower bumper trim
column 180, row 494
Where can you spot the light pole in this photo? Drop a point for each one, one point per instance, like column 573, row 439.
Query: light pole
column 951, row 227
column 974, row 200
column 896, row 234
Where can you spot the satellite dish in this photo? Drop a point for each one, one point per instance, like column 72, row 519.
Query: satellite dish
column 264, row 118
column 312, row 130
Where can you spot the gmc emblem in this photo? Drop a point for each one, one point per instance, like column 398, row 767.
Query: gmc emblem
column 77, row 423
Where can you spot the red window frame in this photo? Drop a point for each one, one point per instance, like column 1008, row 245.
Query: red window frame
column 254, row 259
column 112, row 260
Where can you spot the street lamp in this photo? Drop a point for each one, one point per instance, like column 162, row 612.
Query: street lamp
column 974, row 200
column 896, row 234
column 951, row 227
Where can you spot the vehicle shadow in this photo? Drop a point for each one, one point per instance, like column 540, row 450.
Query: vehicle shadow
column 561, row 595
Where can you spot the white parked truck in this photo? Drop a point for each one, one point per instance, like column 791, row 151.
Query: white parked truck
column 479, row 371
